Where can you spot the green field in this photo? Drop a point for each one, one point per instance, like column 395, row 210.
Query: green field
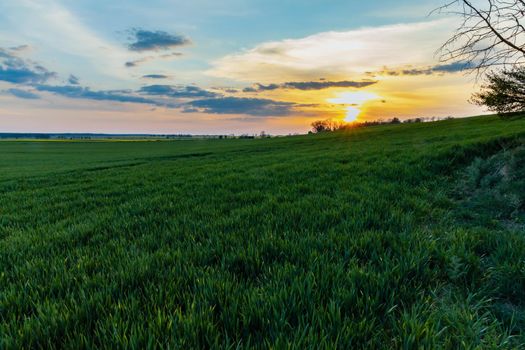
column 401, row 236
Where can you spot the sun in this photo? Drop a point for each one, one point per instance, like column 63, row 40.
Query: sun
column 351, row 114
column 353, row 101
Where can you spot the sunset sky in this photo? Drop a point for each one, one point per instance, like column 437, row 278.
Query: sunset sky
column 229, row 66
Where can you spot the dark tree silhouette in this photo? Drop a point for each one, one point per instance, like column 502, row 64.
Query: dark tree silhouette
column 319, row 126
column 327, row 125
column 504, row 92
column 491, row 34
column 395, row 121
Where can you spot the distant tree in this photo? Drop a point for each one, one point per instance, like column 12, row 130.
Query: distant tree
column 395, row 121
column 415, row 120
column 320, row 126
column 327, row 125
column 491, row 34
column 337, row 125
column 503, row 92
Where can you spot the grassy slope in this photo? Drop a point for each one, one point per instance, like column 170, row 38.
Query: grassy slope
column 346, row 239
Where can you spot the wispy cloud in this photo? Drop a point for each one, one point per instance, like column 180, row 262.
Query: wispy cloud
column 142, row 60
column 336, row 54
column 58, row 32
column 24, row 94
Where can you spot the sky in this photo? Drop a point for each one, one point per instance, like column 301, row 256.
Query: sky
column 223, row 67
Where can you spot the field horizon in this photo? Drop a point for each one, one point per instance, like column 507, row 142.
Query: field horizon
column 393, row 236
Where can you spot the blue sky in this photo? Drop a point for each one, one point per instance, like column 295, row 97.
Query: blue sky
column 203, row 66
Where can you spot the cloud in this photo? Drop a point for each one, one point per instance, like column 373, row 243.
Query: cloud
column 80, row 92
column 438, row 69
column 310, row 85
column 452, row 67
column 16, row 70
column 319, row 85
column 24, row 94
column 140, row 61
column 145, row 40
column 235, row 105
column 131, row 64
column 249, row 89
column 23, row 75
column 269, row 87
column 335, row 54
column 20, row 48
column 155, row 76
column 60, row 32
column 177, row 91
column 73, row 80
column 204, row 101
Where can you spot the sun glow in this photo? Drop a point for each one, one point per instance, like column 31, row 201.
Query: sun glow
column 351, row 114
column 353, row 101
column 353, row 98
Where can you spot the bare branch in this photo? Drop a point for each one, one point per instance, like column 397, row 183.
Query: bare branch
column 488, row 36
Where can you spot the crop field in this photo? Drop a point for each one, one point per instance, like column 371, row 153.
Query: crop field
column 398, row 236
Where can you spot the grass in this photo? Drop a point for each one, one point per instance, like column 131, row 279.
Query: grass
column 381, row 237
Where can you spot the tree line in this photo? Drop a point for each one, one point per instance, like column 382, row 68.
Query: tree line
column 328, row 125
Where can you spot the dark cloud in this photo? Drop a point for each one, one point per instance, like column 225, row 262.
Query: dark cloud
column 201, row 101
column 439, row 69
column 270, row 87
column 73, row 80
column 155, row 76
column 229, row 90
column 249, row 89
column 452, row 67
column 131, row 64
column 27, row 95
column 16, row 70
column 177, row 91
column 157, row 95
column 416, row 71
column 80, row 92
column 310, row 85
column 23, row 75
column 145, row 40
column 235, row 105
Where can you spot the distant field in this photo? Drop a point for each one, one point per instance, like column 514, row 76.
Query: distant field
column 381, row 237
